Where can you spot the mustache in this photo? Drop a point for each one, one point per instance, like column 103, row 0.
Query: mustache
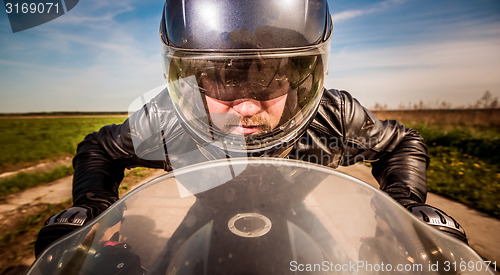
column 232, row 121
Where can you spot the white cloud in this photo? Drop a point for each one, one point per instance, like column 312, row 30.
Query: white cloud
column 346, row 15
column 455, row 71
column 349, row 14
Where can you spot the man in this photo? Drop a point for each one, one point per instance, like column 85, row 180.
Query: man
column 245, row 78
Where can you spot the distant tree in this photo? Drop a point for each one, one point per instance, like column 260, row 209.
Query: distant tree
column 419, row 105
column 403, row 106
column 444, row 105
column 487, row 101
column 380, row 107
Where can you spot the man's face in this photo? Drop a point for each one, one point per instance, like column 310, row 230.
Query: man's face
column 246, row 116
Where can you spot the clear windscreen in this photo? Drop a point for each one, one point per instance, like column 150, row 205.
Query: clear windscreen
column 256, row 216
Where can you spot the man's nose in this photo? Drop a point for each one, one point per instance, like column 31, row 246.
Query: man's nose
column 247, row 107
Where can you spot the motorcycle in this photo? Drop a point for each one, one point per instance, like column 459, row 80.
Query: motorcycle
column 258, row 216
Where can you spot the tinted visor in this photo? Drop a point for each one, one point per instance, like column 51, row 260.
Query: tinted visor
column 259, row 78
column 206, row 88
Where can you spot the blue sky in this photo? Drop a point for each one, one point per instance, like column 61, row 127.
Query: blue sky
column 102, row 55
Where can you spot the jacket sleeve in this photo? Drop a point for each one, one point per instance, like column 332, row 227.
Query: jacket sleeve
column 100, row 162
column 398, row 154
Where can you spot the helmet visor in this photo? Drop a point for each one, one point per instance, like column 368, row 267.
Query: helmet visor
column 244, row 98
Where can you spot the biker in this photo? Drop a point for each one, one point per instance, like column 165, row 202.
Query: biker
column 244, row 78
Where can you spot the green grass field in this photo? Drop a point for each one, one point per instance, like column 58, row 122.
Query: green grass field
column 464, row 165
column 28, row 140
column 463, row 146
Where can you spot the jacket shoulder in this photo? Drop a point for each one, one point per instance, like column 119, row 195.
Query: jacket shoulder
column 331, row 117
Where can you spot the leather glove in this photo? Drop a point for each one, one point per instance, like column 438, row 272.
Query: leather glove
column 438, row 219
column 61, row 224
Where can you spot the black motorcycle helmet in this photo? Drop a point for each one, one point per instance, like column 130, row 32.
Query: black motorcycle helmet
column 257, row 50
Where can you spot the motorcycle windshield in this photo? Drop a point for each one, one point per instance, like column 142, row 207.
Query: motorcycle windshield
column 257, row 216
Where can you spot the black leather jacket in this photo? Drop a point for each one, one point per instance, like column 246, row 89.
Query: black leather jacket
column 342, row 133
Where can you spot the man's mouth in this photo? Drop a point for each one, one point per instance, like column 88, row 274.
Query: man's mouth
column 246, row 129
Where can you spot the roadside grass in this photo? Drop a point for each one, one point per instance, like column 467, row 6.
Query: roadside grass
column 18, row 243
column 464, row 178
column 133, row 177
column 31, row 224
column 28, row 140
column 464, row 163
column 24, row 180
